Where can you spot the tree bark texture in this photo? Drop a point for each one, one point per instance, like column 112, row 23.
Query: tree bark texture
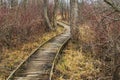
column 47, row 21
column 73, row 20
column 56, row 3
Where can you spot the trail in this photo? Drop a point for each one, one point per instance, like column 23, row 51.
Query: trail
column 38, row 66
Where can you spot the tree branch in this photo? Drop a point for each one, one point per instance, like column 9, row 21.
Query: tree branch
column 117, row 9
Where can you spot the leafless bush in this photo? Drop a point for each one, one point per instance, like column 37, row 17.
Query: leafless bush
column 19, row 24
column 106, row 25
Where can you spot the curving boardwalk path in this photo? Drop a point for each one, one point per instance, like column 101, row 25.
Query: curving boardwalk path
column 38, row 65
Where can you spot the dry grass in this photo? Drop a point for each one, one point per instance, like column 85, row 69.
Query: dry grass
column 87, row 35
column 14, row 57
column 76, row 65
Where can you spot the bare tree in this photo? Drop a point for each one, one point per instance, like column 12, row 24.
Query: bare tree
column 62, row 6
column 56, row 3
column 24, row 3
column 1, row 2
column 12, row 3
column 73, row 21
column 46, row 14
column 113, row 5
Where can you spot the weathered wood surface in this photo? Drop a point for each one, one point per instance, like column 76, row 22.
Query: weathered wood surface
column 38, row 65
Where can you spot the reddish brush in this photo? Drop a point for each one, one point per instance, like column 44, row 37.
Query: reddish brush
column 18, row 25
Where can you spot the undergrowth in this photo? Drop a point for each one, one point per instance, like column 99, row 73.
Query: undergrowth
column 13, row 57
column 76, row 65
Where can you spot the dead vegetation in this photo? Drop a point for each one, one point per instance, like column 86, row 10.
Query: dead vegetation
column 13, row 57
column 76, row 65
column 103, row 43
column 96, row 33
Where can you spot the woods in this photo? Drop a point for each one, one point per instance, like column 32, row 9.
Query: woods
column 94, row 25
column 73, row 19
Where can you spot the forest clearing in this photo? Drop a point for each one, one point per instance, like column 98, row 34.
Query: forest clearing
column 59, row 39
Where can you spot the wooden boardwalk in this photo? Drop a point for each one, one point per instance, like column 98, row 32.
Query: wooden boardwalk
column 39, row 65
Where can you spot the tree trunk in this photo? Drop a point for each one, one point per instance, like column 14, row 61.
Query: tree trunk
column 13, row 3
column 47, row 21
column 73, row 20
column 116, row 73
column 1, row 2
column 68, row 11
column 62, row 9
column 24, row 4
column 56, row 3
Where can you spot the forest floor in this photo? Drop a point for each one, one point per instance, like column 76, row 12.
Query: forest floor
column 13, row 57
column 78, row 64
